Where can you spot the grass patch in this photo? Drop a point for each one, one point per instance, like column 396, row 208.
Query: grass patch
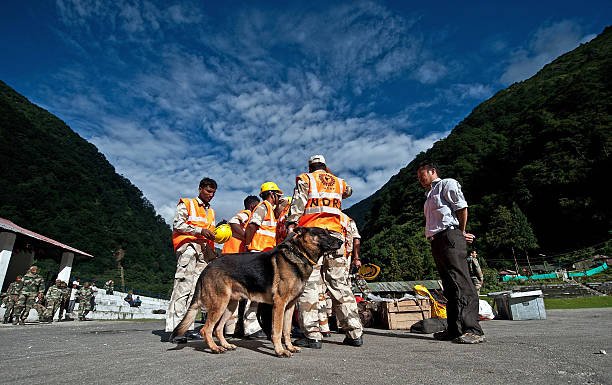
column 578, row 303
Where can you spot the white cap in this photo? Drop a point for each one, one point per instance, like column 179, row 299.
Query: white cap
column 316, row 159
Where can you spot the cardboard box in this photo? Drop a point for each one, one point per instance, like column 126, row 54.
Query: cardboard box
column 402, row 315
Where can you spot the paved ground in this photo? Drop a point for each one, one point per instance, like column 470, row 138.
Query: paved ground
column 564, row 349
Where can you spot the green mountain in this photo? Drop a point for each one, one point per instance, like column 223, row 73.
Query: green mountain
column 533, row 161
column 57, row 184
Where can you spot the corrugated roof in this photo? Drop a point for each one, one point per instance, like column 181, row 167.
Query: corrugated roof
column 10, row 226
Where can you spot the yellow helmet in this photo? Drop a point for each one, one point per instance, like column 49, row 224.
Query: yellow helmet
column 269, row 186
column 369, row 271
column 223, row 233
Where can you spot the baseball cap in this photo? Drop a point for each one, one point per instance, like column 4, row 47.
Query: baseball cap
column 316, row 159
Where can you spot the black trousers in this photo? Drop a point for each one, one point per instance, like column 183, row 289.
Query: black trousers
column 449, row 251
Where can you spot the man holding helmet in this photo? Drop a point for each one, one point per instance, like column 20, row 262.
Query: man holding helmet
column 193, row 236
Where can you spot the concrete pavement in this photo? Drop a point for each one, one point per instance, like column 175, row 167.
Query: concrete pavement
column 564, row 349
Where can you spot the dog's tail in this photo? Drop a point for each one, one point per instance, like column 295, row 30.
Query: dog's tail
column 191, row 314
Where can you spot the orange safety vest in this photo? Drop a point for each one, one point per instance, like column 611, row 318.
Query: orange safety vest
column 235, row 245
column 197, row 216
column 324, row 204
column 265, row 236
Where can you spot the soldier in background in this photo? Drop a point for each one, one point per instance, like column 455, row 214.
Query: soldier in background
column 85, row 293
column 54, row 298
column 64, row 302
column 40, row 304
column 475, row 270
column 12, row 295
column 32, row 285
column 109, row 286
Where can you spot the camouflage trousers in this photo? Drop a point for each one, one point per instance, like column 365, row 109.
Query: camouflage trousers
column 325, row 307
column 333, row 270
column 52, row 306
column 23, row 306
column 190, row 264
column 84, row 307
column 11, row 303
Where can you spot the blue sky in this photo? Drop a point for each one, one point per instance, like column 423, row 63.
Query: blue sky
column 246, row 91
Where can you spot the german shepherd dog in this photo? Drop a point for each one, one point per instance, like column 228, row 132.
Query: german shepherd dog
column 275, row 277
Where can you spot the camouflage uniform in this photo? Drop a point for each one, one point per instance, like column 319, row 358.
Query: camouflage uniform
column 332, row 269
column 192, row 258
column 64, row 300
column 12, row 295
column 32, row 285
column 40, row 305
column 54, row 297
column 85, row 293
column 323, row 309
column 475, row 272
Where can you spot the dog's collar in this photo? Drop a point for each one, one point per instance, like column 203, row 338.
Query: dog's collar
column 299, row 252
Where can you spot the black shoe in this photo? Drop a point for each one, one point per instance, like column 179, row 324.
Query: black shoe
column 353, row 341
column 444, row 336
column 193, row 335
column 259, row 335
column 308, row 343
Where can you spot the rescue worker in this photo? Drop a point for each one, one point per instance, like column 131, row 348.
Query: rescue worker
column 260, row 235
column 12, row 295
column 32, row 285
column 351, row 247
column 317, row 202
column 238, row 224
column 54, row 297
column 193, row 237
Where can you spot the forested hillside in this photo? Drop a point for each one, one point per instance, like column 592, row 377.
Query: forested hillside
column 56, row 183
column 533, row 162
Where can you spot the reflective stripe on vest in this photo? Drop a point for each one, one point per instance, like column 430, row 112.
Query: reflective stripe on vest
column 235, row 245
column 197, row 216
column 265, row 236
column 324, row 204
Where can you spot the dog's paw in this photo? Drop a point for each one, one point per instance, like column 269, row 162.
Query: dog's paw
column 230, row 346
column 294, row 349
column 218, row 349
column 284, row 353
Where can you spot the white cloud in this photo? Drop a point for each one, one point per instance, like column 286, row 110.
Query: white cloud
column 430, row 72
column 546, row 44
column 230, row 107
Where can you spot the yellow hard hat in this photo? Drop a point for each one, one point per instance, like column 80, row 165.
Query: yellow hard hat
column 223, row 233
column 269, row 186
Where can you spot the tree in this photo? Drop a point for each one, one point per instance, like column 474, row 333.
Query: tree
column 510, row 229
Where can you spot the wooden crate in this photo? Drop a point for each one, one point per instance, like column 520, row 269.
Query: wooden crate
column 402, row 315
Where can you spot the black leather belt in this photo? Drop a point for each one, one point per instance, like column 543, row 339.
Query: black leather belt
column 452, row 227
